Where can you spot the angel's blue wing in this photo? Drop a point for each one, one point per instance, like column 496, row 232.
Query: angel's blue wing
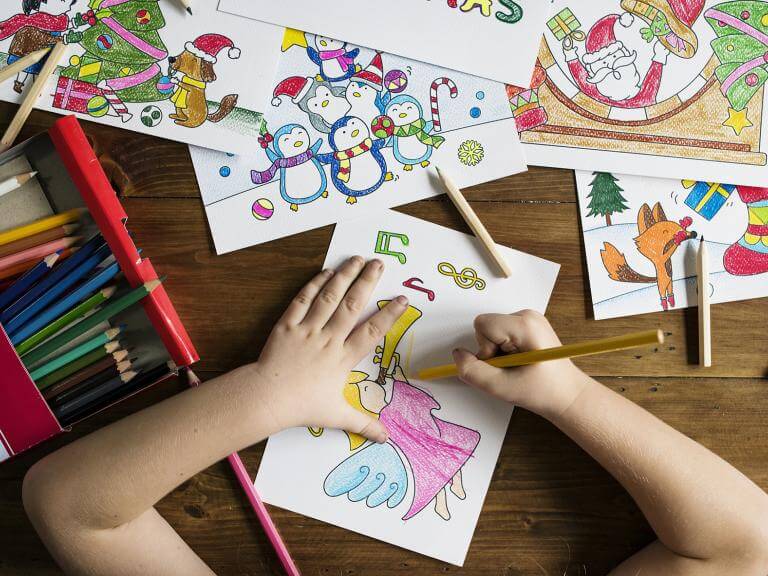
column 375, row 474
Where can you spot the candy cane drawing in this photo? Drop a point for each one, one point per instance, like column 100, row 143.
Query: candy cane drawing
column 453, row 91
column 115, row 102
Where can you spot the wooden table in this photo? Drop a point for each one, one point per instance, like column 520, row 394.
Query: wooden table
column 550, row 509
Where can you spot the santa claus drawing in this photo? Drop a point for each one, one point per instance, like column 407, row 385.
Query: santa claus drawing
column 608, row 72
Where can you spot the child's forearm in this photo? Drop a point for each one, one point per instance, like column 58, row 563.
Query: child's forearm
column 699, row 506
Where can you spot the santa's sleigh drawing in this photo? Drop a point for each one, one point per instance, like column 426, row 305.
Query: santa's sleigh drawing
column 594, row 94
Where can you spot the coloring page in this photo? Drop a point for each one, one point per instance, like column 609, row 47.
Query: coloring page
column 471, row 36
column 662, row 88
column 641, row 237
column 354, row 135
column 423, row 490
column 146, row 66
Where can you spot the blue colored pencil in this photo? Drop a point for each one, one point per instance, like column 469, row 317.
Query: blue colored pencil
column 17, row 289
column 49, row 297
column 55, row 276
column 90, row 286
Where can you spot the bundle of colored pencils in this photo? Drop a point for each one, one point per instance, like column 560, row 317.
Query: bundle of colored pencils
column 58, row 308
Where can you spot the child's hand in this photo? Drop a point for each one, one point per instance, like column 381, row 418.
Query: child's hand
column 547, row 388
column 316, row 343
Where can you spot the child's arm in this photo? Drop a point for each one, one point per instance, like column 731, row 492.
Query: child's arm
column 92, row 501
column 709, row 518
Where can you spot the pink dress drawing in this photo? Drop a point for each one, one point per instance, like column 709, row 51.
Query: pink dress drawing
column 435, row 449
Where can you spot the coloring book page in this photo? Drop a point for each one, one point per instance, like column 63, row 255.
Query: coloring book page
column 661, row 88
column 350, row 137
column 471, row 36
column 641, row 237
column 424, row 489
column 147, row 66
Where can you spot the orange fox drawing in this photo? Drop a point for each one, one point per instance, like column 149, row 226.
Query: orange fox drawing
column 658, row 239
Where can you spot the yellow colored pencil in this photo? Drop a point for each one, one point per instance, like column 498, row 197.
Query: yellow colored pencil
column 635, row 340
column 38, row 226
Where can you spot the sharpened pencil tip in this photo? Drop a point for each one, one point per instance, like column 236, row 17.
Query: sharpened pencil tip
column 189, row 10
column 153, row 284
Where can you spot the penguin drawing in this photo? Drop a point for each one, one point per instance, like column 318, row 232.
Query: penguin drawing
column 365, row 92
column 412, row 142
column 358, row 167
column 292, row 154
column 335, row 62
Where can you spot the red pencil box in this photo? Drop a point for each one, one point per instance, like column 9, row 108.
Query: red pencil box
column 71, row 177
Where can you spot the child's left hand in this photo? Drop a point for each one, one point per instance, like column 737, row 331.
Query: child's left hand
column 316, row 343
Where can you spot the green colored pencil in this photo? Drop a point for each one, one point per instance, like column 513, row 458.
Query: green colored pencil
column 103, row 340
column 79, row 364
column 86, row 324
column 65, row 320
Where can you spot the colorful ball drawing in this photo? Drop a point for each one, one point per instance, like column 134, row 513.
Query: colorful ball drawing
column 104, row 42
column 74, row 60
column 475, row 112
column 164, row 85
column 382, row 126
column 225, row 171
column 151, row 116
column 98, row 106
column 263, row 209
column 395, row 81
column 143, row 17
column 480, row 95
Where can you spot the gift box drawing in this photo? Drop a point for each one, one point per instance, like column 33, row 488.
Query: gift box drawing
column 707, row 198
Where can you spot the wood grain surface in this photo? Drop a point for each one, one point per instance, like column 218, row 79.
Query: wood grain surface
column 551, row 510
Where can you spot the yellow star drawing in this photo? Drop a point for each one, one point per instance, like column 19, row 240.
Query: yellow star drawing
column 293, row 38
column 737, row 120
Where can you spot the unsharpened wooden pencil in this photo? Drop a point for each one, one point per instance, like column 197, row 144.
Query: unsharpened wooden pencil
column 41, row 225
column 56, row 396
column 66, row 319
column 93, row 396
column 31, row 98
column 614, row 344
column 474, row 222
column 22, row 63
column 37, row 252
column 23, row 284
column 15, row 182
column 705, row 312
column 38, row 239
column 103, row 315
column 101, row 342
column 83, row 362
column 105, row 365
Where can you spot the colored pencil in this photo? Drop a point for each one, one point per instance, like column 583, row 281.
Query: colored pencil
column 89, row 322
column 90, row 358
column 13, row 323
column 187, row 6
column 65, row 320
column 37, row 239
column 92, row 396
column 70, row 301
column 38, row 252
column 32, row 96
column 102, row 341
column 89, row 372
column 15, row 182
column 22, row 63
column 614, row 344
column 58, row 394
column 24, row 283
column 705, row 313
column 474, row 222
column 267, row 524
column 41, row 225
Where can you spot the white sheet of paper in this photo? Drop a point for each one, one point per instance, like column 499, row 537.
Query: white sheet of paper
column 677, row 118
column 480, row 144
column 247, row 76
column 473, row 37
column 295, row 471
column 739, row 269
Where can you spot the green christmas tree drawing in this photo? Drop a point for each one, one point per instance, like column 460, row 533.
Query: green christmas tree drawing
column 606, row 198
column 122, row 50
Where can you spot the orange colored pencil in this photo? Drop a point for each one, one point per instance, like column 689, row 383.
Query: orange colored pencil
column 37, row 239
column 38, row 252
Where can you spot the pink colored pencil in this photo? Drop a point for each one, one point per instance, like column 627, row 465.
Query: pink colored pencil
column 37, row 252
column 256, row 503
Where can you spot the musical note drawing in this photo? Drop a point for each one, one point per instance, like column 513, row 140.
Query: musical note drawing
column 382, row 245
column 412, row 284
column 465, row 279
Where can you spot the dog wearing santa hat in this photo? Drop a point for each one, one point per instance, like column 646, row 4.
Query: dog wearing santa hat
column 608, row 71
column 192, row 71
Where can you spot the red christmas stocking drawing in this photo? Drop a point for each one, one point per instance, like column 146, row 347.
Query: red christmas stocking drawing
column 749, row 256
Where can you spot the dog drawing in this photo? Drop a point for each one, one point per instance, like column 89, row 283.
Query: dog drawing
column 658, row 239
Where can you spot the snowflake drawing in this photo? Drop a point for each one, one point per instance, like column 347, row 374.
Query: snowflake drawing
column 471, row 153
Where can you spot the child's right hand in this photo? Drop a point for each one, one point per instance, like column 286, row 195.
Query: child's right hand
column 548, row 388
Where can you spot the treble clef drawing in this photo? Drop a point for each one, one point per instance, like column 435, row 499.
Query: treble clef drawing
column 465, row 279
